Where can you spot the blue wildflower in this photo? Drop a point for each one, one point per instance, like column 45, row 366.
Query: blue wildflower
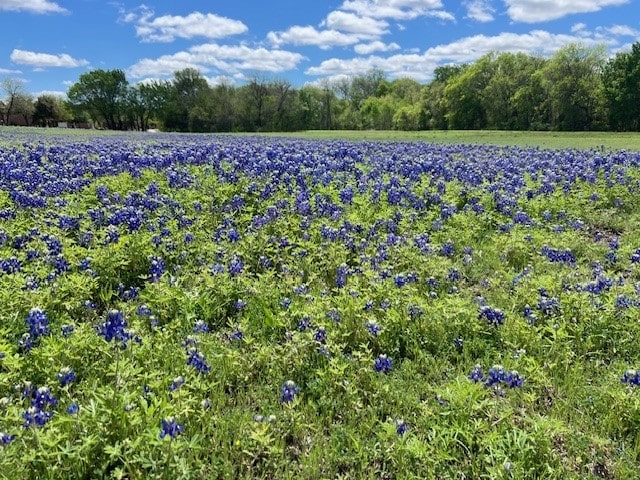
column 198, row 361
column 177, row 383
column 493, row 316
column 66, row 376
column 631, row 377
column 373, row 328
column 38, row 323
column 288, row 391
column 170, row 427
column 6, row 439
column 382, row 364
column 114, row 328
column 401, row 427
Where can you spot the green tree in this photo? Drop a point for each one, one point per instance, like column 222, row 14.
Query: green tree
column 572, row 80
column 13, row 88
column 621, row 78
column 48, row 111
column 187, row 88
column 103, row 93
column 463, row 96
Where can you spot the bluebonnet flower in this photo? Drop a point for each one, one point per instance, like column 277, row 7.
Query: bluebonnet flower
column 304, row 323
column 6, row 439
column 236, row 266
column 373, row 328
column 10, row 265
column 285, row 303
column 415, row 312
column 236, row 335
column 557, row 255
column 334, row 315
column 73, row 408
column 496, row 376
column 35, row 417
column 240, row 304
column 401, row 427
column 548, row 305
column 66, row 376
column 25, row 342
column 114, row 328
column 38, row 323
column 320, row 335
column 170, row 427
column 382, row 364
column 200, row 327
column 447, row 249
column 493, row 316
column 476, row 374
column 288, row 391
column 176, row 383
column 341, row 276
column 143, row 310
column 42, row 398
column 198, row 361
column 529, row 314
column 631, row 377
column 156, row 268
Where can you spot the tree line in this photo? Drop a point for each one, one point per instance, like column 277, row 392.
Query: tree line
column 579, row 88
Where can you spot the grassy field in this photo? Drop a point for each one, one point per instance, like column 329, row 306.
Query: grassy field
column 203, row 307
column 581, row 140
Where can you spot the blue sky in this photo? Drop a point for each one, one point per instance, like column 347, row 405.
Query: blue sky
column 49, row 43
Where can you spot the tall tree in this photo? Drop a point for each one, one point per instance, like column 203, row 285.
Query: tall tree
column 103, row 93
column 187, row 88
column 12, row 89
column 48, row 111
column 621, row 79
column 573, row 82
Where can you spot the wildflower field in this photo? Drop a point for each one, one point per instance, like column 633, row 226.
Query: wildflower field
column 253, row 307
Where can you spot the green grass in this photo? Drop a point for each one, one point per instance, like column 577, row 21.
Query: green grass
column 629, row 141
column 581, row 140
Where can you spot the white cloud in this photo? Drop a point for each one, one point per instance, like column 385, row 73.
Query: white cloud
column 532, row 11
column 308, row 35
column 377, row 46
column 420, row 66
column 620, row 31
column 397, row 9
column 8, row 71
column 479, row 10
column 33, row 6
column 46, row 60
column 222, row 59
column 169, row 27
column 578, row 27
column 352, row 23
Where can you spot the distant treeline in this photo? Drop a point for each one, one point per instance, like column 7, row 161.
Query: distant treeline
column 579, row 88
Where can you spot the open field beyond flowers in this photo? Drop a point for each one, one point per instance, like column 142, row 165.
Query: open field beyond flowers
column 261, row 307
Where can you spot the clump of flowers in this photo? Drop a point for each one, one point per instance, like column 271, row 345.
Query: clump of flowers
column 170, row 427
column 383, row 364
column 631, row 377
column 288, row 391
column 198, row 361
column 66, row 376
column 114, row 328
column 39, row 412
column 496, row 376
column 493, row 316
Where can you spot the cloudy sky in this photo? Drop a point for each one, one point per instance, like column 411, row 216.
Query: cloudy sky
column 49, row 43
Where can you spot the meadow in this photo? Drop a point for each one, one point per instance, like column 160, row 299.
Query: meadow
column 201, row 306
